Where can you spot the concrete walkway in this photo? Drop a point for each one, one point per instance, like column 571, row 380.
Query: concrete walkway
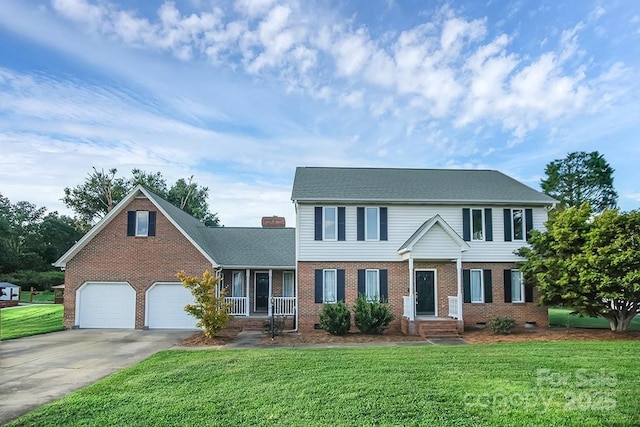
column 39, row 369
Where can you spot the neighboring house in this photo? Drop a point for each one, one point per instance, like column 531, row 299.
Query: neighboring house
column 122, row 273
column 9, row 294
column 437, row 244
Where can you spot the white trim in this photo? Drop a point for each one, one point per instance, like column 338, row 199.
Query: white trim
column 293, row 289
column 524, row 225
column 412, row 293
column 522, row 290
column 435, row 291
column 137, row 232
column 481, row 285
column 482, row 223
column 335, row 271
column 255, row 290
column 437, row 219
column 377, row 296
column 295, row 268
column 459, row 280
column 366, row 223
column 324, row 220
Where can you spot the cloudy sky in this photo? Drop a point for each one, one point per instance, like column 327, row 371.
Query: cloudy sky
column 239, row 93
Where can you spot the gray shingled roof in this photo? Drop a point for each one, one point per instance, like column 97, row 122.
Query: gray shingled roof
column 236, row 246
column 411, row 185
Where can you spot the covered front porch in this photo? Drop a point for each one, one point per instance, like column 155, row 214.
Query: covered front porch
column 260, row 293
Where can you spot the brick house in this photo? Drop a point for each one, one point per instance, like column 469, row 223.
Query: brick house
column 122, row 273
column 437, row 244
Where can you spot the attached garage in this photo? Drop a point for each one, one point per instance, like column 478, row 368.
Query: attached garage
column 165, row 307
column 106, row 305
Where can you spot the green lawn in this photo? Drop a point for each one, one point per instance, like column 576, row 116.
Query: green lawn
column 562, row 317
column 30, row 320
column 545, row 383
column 42, row 297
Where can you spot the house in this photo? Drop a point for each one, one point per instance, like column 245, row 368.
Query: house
column 437, row 244
column 122, row 273
column 9, row 294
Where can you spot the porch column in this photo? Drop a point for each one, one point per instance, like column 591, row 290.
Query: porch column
column 412, row 293
column 270, row 310
column 247, row 275
column 459, row 271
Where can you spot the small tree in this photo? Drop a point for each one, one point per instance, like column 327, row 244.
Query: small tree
column 209, row 308
column 371, row 317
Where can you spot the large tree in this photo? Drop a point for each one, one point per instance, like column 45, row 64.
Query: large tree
column 589, row 263
column 101, row 191
column 581, row 177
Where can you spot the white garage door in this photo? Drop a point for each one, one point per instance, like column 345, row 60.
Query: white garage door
column 106, row 305
column 165, row 307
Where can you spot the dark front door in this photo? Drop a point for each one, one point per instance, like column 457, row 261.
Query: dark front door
column 262, row 291
column 425, row 293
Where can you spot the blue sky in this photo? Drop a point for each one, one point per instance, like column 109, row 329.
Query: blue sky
column 239, row 93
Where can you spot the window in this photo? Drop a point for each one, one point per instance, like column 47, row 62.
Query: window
column 517, row 220
column 142, row 223
column 372, row 285
column 237, row 286
column 329, row 286
column 287, row 284
column 371, row 223
column 477, row 224
column 477, row 288
column 329, row 223
column 517, row 286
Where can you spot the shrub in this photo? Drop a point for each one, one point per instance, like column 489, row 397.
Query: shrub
column 501, row 325
column 335, row 318
column 209, row 308
column 372, row 317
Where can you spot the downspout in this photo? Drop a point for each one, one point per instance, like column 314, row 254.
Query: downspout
column 295, row 272
column 412, row 293
column 459, row 274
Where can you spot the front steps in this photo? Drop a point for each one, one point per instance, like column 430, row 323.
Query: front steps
column 432, row 327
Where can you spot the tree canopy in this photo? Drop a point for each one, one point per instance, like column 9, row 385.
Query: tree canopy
column 581, row 177
column 101, row 191
column 590, row 263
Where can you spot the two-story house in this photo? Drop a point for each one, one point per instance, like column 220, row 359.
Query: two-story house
column 438, row 244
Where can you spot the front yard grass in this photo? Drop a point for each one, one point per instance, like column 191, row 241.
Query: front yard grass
column 42, row 297
column 31, row 320
column 563, row 317
column 548, row 384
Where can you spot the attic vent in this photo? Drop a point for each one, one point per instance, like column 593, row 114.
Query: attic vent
column 273, row 222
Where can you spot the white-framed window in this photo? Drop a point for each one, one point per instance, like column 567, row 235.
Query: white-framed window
column 288, row 287
column 477, row 224
column 517, row 286
column 477, row 286
column 330, row 223
column 518, row 224
column 372, row 285
column 330, row 286
column 372, row 223
column 142, row 223
column 237, row 284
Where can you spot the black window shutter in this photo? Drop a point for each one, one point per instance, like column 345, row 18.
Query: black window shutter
column 131, row 223
column 488, row 225
column 361, row 281
column 341, row 285
column 384, row 285
column 466, row 224
column 152, row 223
column 318, row 223
column 488, row 291
column 528, row 222
column 360, row 223
column 466, row 285
column 528, row 294
column 319, row 294
column 383, row 224
column 507, row 286
column 507, row 225
column 341, row 223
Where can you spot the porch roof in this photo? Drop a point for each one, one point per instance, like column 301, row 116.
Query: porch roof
column 424, row 229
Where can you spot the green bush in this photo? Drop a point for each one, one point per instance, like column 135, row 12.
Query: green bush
column 372, row 317
column 335, row 318
column 41, row 280
column 501, row 325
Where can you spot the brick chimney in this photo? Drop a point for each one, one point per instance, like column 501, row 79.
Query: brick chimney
column 273, row 222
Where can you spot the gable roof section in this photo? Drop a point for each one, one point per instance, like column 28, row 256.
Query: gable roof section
column 223, row 247
column 424, row 229
column 314, row 184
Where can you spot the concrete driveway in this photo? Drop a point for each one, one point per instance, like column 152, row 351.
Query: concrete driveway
column 39, row 369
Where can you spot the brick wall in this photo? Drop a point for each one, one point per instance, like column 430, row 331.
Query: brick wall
column 112, row 256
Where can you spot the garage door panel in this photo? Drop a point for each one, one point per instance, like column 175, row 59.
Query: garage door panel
column 107, row 305
column 165, row 307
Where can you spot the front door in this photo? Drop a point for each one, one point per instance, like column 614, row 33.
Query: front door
column 425, row 293
column 262, row 291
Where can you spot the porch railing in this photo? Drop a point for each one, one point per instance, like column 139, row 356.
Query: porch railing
column 406, row 306
column 284, row 306
column 453, row 307
column 238, row 306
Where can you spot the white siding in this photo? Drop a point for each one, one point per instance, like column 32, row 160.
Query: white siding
column 402, row 223
column 435, row 244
